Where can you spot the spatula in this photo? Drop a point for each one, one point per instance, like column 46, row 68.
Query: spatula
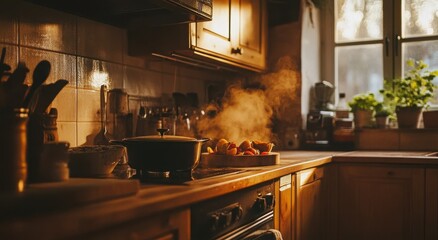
column 45, row 96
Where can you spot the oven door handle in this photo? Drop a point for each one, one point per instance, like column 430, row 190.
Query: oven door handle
column 241, row 232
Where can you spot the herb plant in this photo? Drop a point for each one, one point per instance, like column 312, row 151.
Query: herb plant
column 415, row 89
column 364, row 101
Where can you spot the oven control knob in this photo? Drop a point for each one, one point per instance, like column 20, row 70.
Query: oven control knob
column 214, row 222
column 225, row 219
column 270, row 200
column 260, row 204
column 237, row 213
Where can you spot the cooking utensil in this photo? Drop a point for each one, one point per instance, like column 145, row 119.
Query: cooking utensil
column 45, row 96
column 3, row 67
column 14, row 87
column 101, row 137
column 40, row 74
column 163, row 153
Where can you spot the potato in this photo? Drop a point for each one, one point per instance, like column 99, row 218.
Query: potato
column 263, row 146
column 245, row 145
column 222, row 146
column 232, row 151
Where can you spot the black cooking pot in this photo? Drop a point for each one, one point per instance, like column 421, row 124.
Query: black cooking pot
column 163, row 153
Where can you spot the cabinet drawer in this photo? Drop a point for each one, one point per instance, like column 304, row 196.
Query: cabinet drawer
column 310, row 175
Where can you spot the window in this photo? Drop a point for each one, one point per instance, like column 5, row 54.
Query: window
column 366, row 41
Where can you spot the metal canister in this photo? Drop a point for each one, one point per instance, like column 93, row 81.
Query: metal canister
column 118, row 101
column 13, row 145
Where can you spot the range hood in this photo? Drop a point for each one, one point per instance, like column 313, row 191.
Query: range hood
column 124, row 13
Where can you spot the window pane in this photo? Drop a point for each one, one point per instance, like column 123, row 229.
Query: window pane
column 358, row 20
column 426, row 51
column 420, row 18
column 359, row 69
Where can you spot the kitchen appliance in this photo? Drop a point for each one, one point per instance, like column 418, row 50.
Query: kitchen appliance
column 320, row 120
column 235, row 215
column 118, row 116
column 323, row 93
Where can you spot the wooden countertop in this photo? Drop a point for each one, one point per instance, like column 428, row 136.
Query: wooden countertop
column 158, row 198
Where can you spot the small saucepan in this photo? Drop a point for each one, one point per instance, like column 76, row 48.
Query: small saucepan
column 165, row 153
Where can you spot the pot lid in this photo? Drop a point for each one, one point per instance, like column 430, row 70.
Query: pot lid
column 158, row 138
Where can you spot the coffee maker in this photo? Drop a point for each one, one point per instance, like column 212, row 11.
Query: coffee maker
column 320, row 120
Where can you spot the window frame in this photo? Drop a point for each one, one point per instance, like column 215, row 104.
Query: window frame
column 391, row 41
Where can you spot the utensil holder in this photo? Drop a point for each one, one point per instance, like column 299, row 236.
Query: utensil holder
column 41, row 129
column 13, row 145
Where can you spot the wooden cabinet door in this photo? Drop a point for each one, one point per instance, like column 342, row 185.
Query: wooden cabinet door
column 251, row 31
column 431, row 225
column 286, row 205
column 237, row 32
column 310, row 204
column 381, row 202
column 165, row 226
column 215, row 36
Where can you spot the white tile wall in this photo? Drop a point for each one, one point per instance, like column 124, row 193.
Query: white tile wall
column 100, row 41
column 63, row 66
column 48, row 29
column 9, row 22
column 66, row 103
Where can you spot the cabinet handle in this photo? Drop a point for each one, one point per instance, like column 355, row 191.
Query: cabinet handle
column 390, row 173
column 237, row 50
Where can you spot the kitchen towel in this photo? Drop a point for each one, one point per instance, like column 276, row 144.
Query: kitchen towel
column 270, row 234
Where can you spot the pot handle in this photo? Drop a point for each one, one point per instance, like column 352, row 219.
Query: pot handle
column 203, row 140
column 162, row 131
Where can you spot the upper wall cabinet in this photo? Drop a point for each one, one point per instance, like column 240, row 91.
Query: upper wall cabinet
column 236, row 37
column 237, row 32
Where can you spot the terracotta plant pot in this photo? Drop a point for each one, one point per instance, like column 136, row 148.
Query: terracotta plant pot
column 363, row 118
column 408, row 117
column 430, row 119
column 382, row 121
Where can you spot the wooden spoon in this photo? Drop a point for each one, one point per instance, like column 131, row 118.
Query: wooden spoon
column 40, row 74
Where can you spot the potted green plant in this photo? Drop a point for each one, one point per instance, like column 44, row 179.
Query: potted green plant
column 363, row 106
column 411, row 94
column 382, row 115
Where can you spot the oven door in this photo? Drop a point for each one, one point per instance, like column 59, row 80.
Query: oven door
column 252, row 230
column 236, row 215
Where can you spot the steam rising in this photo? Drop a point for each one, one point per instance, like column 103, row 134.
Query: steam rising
column 247, row 113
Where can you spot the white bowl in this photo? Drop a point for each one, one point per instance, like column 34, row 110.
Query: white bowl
column 95, row 160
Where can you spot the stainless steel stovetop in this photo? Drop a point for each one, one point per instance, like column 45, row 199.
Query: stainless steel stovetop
column 185, row 177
